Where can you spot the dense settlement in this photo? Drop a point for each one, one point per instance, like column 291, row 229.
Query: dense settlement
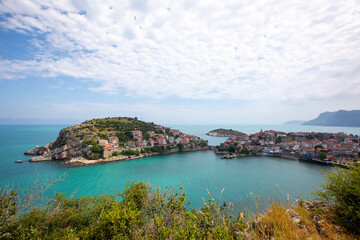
column 331, row 148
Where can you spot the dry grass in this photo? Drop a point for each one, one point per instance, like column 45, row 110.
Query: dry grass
column 297, row 223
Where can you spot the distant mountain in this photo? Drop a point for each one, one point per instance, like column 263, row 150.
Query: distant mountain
column 339, row 118
column 294, row 122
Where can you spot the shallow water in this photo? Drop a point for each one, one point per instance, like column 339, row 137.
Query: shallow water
column 195, row 171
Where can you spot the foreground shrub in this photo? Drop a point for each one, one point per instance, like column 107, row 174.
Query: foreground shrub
column 141, row 213
column 342, row 188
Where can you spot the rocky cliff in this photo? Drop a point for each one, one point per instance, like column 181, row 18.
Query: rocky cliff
column 66, row 146
column 81, row 141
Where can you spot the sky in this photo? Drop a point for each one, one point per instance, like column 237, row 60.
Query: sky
column 183, row 61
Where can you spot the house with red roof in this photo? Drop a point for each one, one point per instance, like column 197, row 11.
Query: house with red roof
column 150, row 142
column 151, row 133
column 136, row 132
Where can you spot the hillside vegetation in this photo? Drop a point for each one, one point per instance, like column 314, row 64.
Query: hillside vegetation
column 141, row 212
column 105, row 127
column 221, row 132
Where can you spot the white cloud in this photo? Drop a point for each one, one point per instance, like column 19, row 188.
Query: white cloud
column 251, row 50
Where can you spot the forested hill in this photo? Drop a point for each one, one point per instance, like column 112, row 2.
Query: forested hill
column 339, row 118
column 118, row 126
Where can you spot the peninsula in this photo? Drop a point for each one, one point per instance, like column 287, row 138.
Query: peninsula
column 340, row 118
column 330, row 148
column 115, row 139
column 221, row 132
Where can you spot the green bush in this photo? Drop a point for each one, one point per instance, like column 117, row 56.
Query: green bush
column 322, row 155
column 142, row 213
column 130, row 152
column 85, row 143
column 159, row 149
column 180, row 146
column 135, row 194
column 231, row 149
column 97, row 148
column 342, row 188
column 244, row 151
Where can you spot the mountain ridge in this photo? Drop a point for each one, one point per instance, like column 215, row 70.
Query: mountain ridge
column 340, row 118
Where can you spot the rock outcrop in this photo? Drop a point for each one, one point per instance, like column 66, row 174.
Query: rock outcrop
column 65, row 147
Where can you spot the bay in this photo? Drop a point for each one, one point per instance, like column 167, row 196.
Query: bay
column 242, row 178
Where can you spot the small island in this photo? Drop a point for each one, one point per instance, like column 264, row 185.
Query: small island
column 115, row 139
column 221, row 132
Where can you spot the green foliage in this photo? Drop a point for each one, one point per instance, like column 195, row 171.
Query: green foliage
column 159, row 149
column 129, row 135
column 105, row 127
column 135, row 195
column 322, row 155
column 122, row 137
column 244, row 151
column 180, row 146
column 104, row 136
column 342, row 188
column 203, row 143
column 86, row 143
column 221, row 148
column 319, row 146
column 142, row 213
column 8, row 208
column 145, row 135
column 97, row 148
column 130, row 152
column 231, row 149
column 115, row 153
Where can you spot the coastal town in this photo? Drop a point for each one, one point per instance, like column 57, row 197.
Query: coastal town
column 104, row 140
column 330, row 148
column 162, row 139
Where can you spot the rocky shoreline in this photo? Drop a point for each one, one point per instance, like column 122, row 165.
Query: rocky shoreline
column 86, row 162
column 238, row 155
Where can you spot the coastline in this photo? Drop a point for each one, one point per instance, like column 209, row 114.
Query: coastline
column 86, row 162
column 318, row 161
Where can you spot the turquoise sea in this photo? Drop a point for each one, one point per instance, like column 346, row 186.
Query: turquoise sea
column 196, row 171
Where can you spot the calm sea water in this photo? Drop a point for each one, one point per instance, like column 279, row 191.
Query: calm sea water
column 196, row 171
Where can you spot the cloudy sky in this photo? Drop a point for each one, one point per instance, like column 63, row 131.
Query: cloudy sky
column 174, row 61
